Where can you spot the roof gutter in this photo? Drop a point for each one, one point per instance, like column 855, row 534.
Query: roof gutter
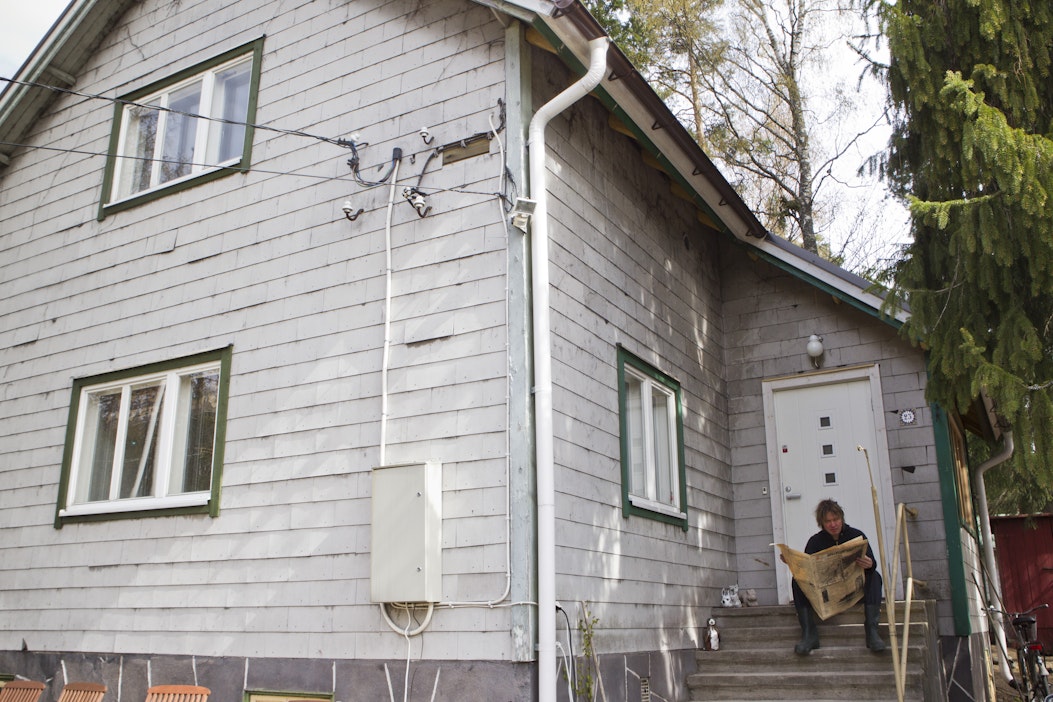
column 546, row 493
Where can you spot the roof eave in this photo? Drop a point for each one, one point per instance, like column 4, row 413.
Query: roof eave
column 55, row 61
column 573, row 26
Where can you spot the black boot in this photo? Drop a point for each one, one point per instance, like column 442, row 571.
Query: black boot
column 809, row 631
column 871, row 615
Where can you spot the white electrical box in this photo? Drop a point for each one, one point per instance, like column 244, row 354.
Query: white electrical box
column 406, row 553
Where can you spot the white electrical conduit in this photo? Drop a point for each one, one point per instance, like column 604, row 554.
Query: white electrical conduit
column 546, row 494
column 387, row 317
column 985, row 529
column 508, row 399
column 495, row 602
column 384, row 390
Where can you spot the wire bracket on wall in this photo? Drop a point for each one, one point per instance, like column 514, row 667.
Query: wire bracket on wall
column 348, row 210
column 416, row 198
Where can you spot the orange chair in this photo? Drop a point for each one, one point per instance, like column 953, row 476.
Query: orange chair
column 176, row 693
column 82, row 692
column 21, row 691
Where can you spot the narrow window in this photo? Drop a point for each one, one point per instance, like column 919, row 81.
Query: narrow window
column 146, row 439
column 653, row 477
column 192, row 127
column 253, row 696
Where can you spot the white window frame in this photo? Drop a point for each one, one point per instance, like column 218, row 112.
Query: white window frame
column 206, row 137
column 168, row 457
column 644, row 499
column 205, row 164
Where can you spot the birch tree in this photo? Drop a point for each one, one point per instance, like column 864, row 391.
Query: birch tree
column 745, row 76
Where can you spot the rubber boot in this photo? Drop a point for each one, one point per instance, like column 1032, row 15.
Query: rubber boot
column 809, row 631
column 871, row 616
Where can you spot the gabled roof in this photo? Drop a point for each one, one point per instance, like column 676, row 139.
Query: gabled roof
column 568, row 26
column 65, row 48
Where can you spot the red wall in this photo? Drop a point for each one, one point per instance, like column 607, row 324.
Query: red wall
column 1024, row 550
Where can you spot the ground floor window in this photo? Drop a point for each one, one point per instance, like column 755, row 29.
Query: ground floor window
column 652, row 441
column 146, row 438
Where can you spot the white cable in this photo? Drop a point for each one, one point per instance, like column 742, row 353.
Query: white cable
column 396, row 628
column 508, row 400
column 409, row 652
column 565, row 664
column 435, row 687
column 391, row 691
column 387, row 319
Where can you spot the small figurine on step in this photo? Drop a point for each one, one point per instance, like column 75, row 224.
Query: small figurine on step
column 729, row 596
column 712, row 636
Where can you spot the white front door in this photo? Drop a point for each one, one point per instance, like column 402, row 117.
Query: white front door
column 814, row 424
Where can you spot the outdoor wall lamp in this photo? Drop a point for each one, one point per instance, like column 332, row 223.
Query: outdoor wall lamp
column 815, row 350
column 522, row 211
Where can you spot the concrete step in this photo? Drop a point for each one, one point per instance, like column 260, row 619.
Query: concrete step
column 803, row 685
column 918, row 613
column 787, row 633
column 756, row 659
column 827, row 657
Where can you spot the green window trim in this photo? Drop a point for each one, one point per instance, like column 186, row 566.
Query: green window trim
column 631, row 367
column 109, row 204
column 222, row 358
column 277, row 696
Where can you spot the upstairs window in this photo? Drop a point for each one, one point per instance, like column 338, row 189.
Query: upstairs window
column 653, row 477
column 193, row 127
column 146, row 439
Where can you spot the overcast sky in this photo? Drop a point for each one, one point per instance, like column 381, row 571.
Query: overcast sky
column 24, row 24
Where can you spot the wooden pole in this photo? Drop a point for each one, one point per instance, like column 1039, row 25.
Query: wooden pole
column 890, row 598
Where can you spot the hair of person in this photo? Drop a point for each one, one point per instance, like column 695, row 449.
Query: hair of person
column 826, row 507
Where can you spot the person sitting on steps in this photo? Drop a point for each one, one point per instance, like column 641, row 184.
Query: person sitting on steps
column 833, row 531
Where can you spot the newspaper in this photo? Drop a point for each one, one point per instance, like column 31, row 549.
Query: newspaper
column 830, row 579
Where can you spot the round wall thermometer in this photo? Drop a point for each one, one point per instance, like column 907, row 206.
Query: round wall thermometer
column 907, row 416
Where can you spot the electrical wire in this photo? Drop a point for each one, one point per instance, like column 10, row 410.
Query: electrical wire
column 387, row 312
column 563, row 654
column 253, row 169
column 496, row 602
column 221, row 120
column 409, row 655
column 573, row 672
column 353, row 162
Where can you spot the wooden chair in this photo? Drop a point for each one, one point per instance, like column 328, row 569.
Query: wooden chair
column 82, row 692
column 176, row 693
column 21, row 691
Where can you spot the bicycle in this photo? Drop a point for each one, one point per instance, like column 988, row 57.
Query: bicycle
column 1031, row 657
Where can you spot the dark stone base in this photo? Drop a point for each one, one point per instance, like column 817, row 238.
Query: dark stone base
column 129, row 675
column 624, row 677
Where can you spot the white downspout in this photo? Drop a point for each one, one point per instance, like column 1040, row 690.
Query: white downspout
column 546, row 493
column 985, row 529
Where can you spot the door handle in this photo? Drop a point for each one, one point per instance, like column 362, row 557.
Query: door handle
column 791, row 495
